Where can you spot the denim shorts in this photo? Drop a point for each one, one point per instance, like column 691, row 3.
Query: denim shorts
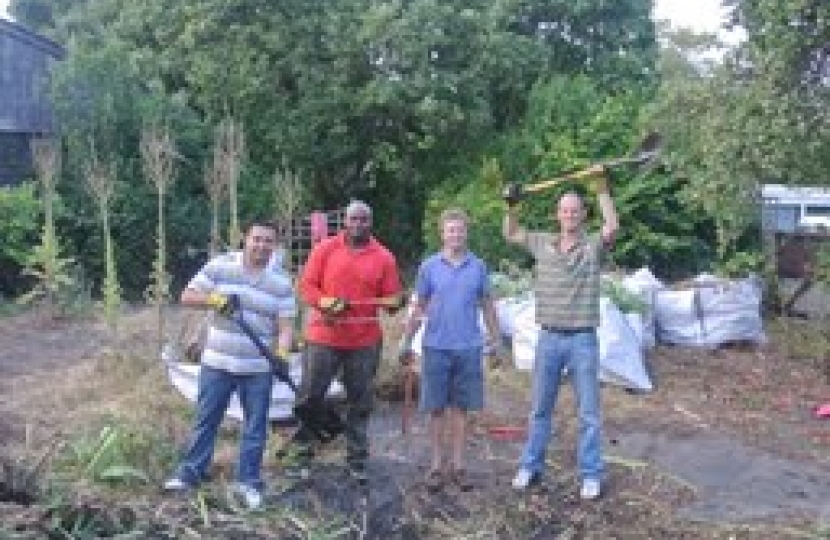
column 452, row 378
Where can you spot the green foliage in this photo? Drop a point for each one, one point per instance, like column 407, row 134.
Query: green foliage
column 20, row 214
column 60, row 280
column 479, row 197
column 762, row 116
column 50, row 270
column 117, row 455
column 100, row 95
column 511, row 281
column 372, row 99
column 20, row 217
column 572, row 122
column 624, row 299
column 741, row 263
column 823, row 265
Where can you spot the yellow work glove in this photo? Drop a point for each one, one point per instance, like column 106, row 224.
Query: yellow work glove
column 333, row 305
column 224, row 305
column 512, row 195
column 599, row 184
column 280, row 352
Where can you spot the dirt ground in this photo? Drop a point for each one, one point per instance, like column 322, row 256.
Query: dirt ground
column 726, row 447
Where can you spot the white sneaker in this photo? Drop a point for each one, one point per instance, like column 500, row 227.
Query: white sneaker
column 524, row 479
column 176, row 484
column 251, row 496
column 590, row 489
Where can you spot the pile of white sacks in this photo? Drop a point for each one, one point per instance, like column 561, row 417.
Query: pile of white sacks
column 708, row 312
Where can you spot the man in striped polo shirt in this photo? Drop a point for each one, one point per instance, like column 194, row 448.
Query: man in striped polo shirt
column 567, row 288
column 231, row 362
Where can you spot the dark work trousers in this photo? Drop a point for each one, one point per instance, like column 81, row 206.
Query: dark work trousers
column 356, row 368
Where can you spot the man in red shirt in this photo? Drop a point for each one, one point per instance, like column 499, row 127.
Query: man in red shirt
column 342, row 280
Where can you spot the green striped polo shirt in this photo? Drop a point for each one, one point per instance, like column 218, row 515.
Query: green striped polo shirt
column 566, row 284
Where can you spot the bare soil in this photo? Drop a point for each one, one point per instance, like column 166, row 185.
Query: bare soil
column 726, row 447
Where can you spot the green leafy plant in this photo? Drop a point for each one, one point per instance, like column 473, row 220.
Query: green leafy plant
column 52, row 273
column 20, row 213
column 741, row 263
column 46, row 264
column 118, row 454
column 511, row 281
column 625, row 300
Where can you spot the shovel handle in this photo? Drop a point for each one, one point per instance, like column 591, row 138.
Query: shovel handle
column 588, row 172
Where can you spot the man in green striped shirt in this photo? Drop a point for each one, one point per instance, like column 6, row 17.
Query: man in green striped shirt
column 567, row 286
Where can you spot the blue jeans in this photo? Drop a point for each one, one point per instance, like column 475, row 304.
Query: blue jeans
column 452, row 378
column 215, row 389
column 579, row 352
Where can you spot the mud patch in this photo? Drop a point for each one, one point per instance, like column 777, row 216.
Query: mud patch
column 734, row 482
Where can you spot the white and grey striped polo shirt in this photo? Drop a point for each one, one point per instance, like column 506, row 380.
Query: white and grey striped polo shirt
column 265, row 296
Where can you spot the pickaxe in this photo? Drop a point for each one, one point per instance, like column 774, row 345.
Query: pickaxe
column 645, row 154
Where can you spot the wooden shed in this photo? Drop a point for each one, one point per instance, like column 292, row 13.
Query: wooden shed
column 25, row 108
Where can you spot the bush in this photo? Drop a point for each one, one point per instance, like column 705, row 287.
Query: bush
column 20, row 213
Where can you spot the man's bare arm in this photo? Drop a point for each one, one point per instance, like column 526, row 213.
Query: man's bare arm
column 413, row 320
column 610, row 221
column 194, row 298
column 285, row 333
column 410, row 328
column 512, row 231
column 488, row 307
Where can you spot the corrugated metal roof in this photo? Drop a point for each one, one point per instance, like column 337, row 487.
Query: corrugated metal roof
column 23, row 34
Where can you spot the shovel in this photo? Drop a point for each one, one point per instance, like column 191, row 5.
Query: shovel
column 641, row 158
column 322, row 420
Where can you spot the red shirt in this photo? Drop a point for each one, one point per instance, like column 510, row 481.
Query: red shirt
column 337, row 270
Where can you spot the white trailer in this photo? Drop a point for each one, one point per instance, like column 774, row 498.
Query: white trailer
column 794, row 208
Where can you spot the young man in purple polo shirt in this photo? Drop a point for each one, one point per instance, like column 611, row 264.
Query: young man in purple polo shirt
column 451, row 287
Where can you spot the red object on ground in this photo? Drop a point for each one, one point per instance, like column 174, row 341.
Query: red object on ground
column 507, row 433
column 823, row 411
column 319, row 226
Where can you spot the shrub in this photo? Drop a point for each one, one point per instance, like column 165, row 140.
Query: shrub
column 20, row 215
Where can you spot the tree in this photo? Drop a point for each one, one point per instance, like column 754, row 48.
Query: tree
column 761, row 116
column 371, row 99
column 572, row 122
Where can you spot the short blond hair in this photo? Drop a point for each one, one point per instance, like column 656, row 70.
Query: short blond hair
column 454, row 214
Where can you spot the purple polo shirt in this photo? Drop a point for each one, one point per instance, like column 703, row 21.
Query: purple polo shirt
column 453, row 295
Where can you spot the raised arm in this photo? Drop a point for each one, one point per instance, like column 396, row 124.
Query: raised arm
column 491, row 320
column 510, row 229
column 610, row 222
